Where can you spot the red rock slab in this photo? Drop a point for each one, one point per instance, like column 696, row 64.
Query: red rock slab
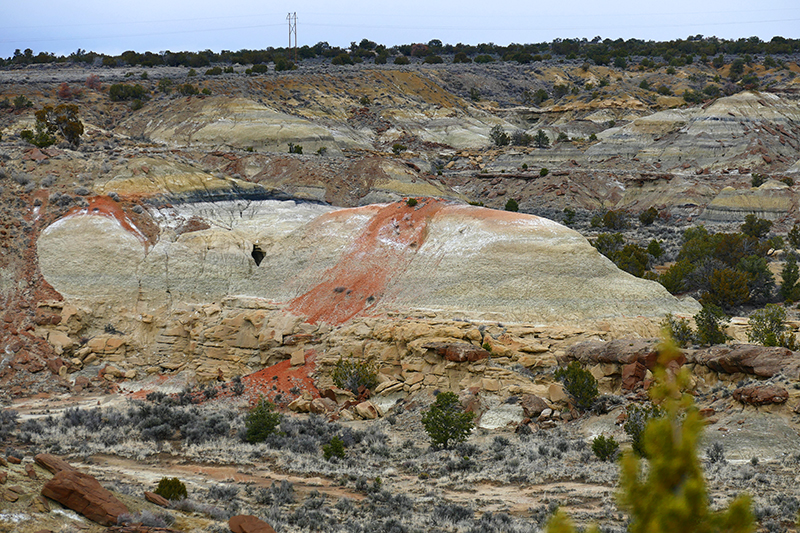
column 761, row 394
column 30, row 471
column 83, row 494
column 751, row 359
column 632, row 375
column 458, row 352
column 52, row 463
column 14, row 460
column 619, row 351
column 248, row 524
column 157, row 499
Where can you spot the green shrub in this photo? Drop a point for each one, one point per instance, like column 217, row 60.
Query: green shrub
column 615, row 219
column 633, row 259
column 637, row 418
column 165, row 85
column 119, row 92
column 401, row 60
column 541, row 140
column 187, row 89
column 21, row 102
column 768, row 327
column 62, row 120
column 609, row 244
column 498, row 136
column 654, row 248
column 484, row 58
column 214, row 71
column 569, row 216
column 649, row 216
column 259, row 68
column 794, row 236
column 343, row 59
column 755, row 227
column 411, row 202
column 433, row 59
column 171, row 488
column 604, row 448
column 790, row 274
column 206, row 91
column 261, row 421
column 446, row 422
column 282, row 64
column 351, row 374
column 295, row 148
column 678, row 329
column 192, row 73
column 512, row 205
column 335, row 448
column 710, row 321
column 397, row 148
column 580, row 384
column 727, row 288
column 757, row 180
column 543, row 172
column 674, row 279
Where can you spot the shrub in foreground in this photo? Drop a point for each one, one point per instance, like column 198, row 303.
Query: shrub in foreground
column 261, row 421
column 351, row 374
column 580, row 384
column 604, row 448
column 446, row 422
column 171, row 488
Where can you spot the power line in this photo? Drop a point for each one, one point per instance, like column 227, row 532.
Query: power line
column 292, row 18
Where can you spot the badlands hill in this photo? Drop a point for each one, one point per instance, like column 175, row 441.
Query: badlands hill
column 183, row 202
column 181, row 244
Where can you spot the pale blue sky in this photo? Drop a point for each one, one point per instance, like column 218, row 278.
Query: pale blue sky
column 151, row 25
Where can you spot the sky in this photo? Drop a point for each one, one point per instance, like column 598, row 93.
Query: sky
column 158, row 25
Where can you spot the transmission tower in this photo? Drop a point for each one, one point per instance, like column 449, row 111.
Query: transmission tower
column 292, row 19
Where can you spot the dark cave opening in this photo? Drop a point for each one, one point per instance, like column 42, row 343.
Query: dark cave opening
column 258, row 254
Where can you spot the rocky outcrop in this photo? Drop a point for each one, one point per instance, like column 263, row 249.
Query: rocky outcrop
column 771, row 201
column 619, row 352
column 249, row 524
column 457, row 352
column 83, row 494
column 748, row 129
column 459, row 260
column 760, row 361
column 761, row 394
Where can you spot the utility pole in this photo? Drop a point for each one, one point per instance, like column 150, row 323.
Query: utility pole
column 292, row 19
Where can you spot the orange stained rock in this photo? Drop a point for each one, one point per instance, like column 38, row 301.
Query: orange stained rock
column 106, row 207
column 385, row 247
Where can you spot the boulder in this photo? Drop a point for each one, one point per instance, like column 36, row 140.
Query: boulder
column 248, row 524
column 367, row 410
column 632, row 375
column 300, row 405
column 532, row 405
column 750, row 359
column 83, row 494
column 619, row 351
column 52, row 463
column 458, row 352
column 761, row 394
column 157, row 499
column 323, row 406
